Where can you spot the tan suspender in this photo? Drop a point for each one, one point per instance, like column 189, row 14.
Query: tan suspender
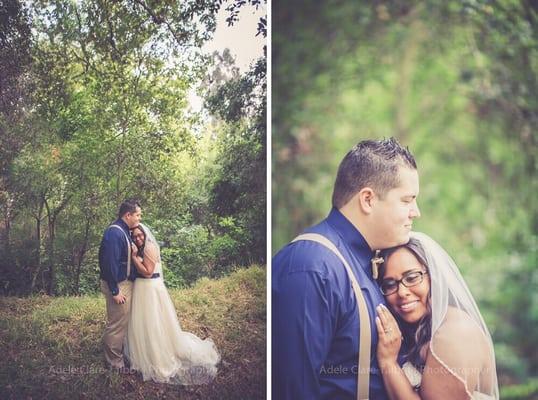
column 128, row 249
column 363, row 377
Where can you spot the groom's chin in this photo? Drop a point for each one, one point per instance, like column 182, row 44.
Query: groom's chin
column 403, row 239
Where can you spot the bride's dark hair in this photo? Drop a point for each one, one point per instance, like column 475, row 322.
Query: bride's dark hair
column 419, row 334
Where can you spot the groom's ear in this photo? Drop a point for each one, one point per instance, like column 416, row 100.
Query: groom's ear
column 365, row 198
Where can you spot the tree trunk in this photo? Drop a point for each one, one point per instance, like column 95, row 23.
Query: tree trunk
column 38, row 219
column 52, row 216
column 7, row 233
column 51, row 283
column 81, row 254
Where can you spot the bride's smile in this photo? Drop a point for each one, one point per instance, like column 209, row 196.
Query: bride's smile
column 406, row 286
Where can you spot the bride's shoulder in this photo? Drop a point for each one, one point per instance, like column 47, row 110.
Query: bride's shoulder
column 150, row 250
column 458, row 330
column 150, row 245
column 459, row 321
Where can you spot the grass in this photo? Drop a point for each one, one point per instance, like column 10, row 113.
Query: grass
column 51, row 347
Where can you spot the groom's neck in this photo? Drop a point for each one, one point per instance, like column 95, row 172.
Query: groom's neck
column 353, row 215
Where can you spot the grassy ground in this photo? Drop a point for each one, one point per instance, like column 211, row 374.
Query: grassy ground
column 51, row 347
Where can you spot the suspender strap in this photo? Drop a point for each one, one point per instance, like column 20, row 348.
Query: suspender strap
column 128, row 249
column 363, row 377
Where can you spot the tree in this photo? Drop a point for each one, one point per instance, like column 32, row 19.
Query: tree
column 14, row 61
column 239, row 188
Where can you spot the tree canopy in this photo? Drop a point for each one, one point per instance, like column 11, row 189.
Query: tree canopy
column 95, row 108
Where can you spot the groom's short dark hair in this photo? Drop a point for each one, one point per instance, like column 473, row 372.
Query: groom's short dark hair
column 128, row 206
column 372, row 163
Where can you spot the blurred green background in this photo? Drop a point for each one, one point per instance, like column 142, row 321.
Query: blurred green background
column 456, row 81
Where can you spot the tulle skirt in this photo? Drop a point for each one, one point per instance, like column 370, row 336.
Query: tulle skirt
column 157, row 347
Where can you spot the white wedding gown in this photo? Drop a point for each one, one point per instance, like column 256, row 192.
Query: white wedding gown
column 155, row 344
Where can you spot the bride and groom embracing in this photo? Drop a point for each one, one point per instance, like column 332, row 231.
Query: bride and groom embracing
column 142, row 327
column 364, row 308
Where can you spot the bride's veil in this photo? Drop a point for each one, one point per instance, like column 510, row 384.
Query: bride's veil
column 150, row 238
column 455, row 316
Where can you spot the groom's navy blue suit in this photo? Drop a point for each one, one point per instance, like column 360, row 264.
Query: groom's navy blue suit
column 315, row 323
column 113, row 256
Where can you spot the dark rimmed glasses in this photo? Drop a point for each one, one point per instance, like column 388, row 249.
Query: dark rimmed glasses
column 410, row 279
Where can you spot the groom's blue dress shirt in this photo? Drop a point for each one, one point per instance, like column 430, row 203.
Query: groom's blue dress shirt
column 113, row 256
column 315, row 322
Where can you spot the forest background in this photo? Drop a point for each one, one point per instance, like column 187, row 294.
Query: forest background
column 94, row 108
column 457, row 82
column 100, row 101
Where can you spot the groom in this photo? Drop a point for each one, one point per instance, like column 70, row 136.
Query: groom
column 315, row 319
column 117, row 276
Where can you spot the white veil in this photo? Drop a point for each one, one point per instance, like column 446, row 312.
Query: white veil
column 150, row 238
column 460, row 339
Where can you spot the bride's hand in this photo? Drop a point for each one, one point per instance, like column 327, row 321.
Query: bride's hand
column 389, row 336
column 134, row 249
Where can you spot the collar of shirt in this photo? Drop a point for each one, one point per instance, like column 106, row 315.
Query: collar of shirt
column 124, row 226
column 351, row 236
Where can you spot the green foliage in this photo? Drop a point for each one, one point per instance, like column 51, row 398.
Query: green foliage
column 188, row 256
column 102, row 115
column 238, row 194
column 194, row 251
column 457, row 83
column 527, row 391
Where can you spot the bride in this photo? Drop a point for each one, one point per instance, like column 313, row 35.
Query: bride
column 447, row 348
column 155, row 344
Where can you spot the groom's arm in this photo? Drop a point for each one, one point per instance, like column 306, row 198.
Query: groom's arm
column 303, row 325
column 110, row 258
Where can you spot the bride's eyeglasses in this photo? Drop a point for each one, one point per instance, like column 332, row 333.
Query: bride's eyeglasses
column 410, row 279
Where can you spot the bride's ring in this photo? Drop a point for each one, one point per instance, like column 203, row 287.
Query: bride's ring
column 388, row 330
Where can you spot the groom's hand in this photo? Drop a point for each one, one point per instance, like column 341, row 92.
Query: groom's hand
column 119, row 298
